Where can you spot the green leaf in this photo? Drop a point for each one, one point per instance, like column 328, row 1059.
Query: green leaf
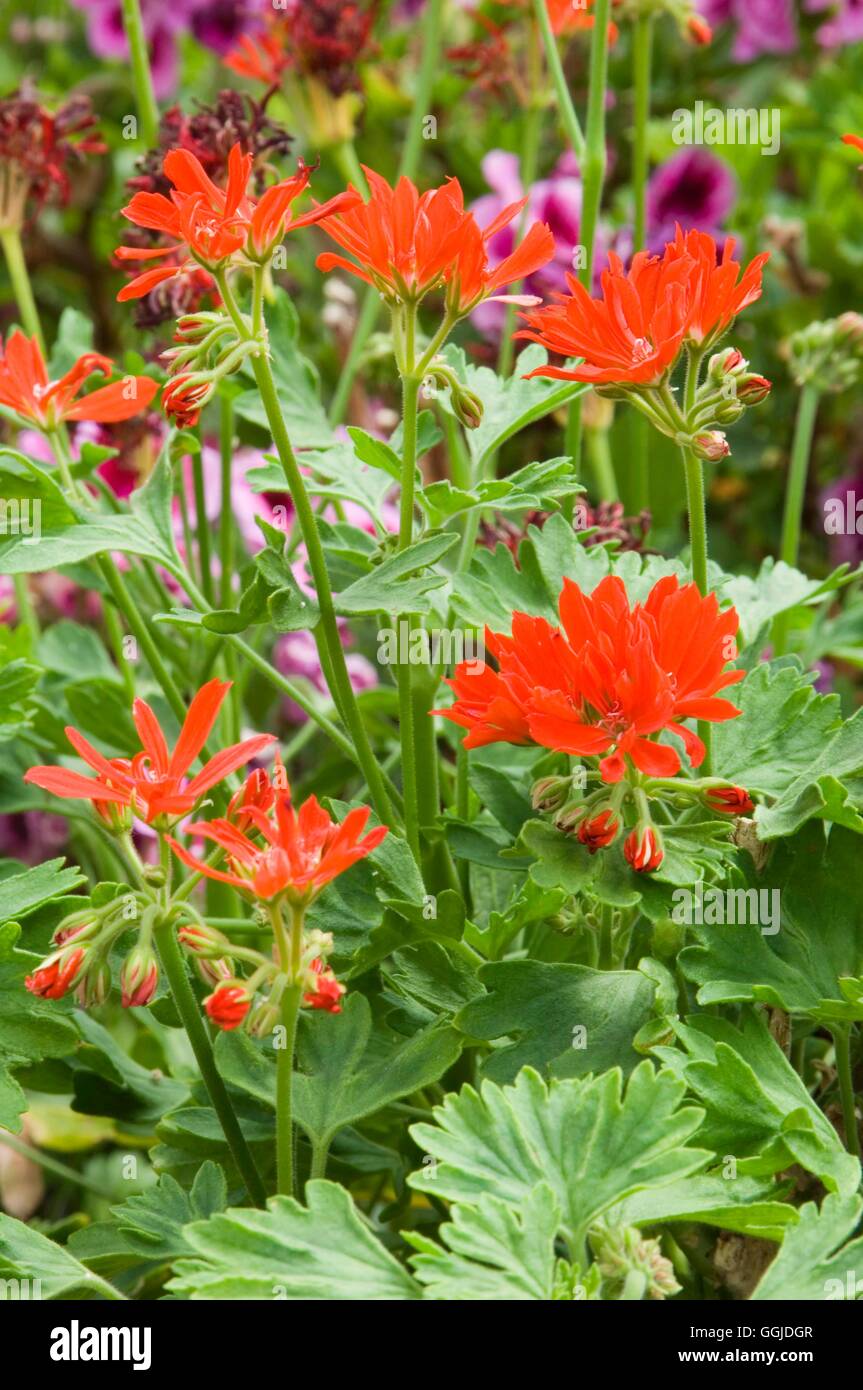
column 110, row 1082
column 820, row 941
column 493, row 1253
column 31, row 1029
column 830, row 788
column 74, row 651
column 18, row 680
column 776, row 589
column 64, row 537
column 388, row 588
column 746, row 1205
column 784, row 724
column 536, row 487
column 27, row 1254
column 592, row 1142
column 23, row 893
column 566, row 1020
column 813, row 1264
column 146, row 1231
column 756, row 1106
column 325, row 1250
column 510, row 404
column 345, row 1069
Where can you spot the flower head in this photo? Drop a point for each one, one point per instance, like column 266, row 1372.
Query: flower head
column 598, row 831
column 26, row 389
column 608, row 680
column 37, row 148
column 213, row 224
column 325, row 40
column 406, row 244
column 153, row 783
column 295, row 852
column 635, row 331
column 56, row 976
column 327, row 991
column 730, row 801
column 228, row 1005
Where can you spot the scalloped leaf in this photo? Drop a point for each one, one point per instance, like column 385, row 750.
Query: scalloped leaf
column 813, row 1264
column 325, row 1250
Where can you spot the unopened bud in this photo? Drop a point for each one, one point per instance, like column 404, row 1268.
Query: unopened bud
column 711, row 445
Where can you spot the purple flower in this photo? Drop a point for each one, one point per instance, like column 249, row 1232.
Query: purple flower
column 216, row 23
column 555, row 200
column 845, row 24
column 693, row 188
column 32, row 836
column 763, row 26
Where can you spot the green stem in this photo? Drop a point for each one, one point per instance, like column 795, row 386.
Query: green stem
column 431, row 43
column 801, row 448
column 602, row 464
column 606, row 953
column 697, row 517
column 142, row 78
column 593, row 177
column 320, row 1154
column 202, row 526
column 642, row 52
column 528, row 165
column 404, row 673
column 842, row 1049
column 10, row 239
column 290, row 950
column 226, row 520
column 26, row 609
column 565, row 107
column 343, row 693
column 187, row 1007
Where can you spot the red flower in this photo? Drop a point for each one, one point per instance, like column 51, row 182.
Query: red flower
column 597, row 832
column 730, row 801
column 183, row 398
column 36, row 151
column 263, row 59
column 325, row 40
column 301, row 853
column 57, row 975
column 139, row 978
column 327, row 992
column 152, row 783
column 228, row 1005
column 25, row 388
column 257, row 792
column 212, row 223
column 642, row 850
column 606, row 682
column 406, row 244
column 636, row 330
column 567, row 16
column 698, row 29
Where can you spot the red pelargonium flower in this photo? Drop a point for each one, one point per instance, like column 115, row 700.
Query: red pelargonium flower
column 642, row 850
column 569, row 15
column 228, row 1005
column 599, row 831
column 406, row 244
column 608, row 681
column 301, row 851
column 327, row 991
column 214, row 224
column 153, row 782
column 263, row 58
column 636, row 330
column 57, row 975
column 25, row 388
column 730, row 801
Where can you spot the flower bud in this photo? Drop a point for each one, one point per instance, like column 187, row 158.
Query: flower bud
column 729, row 362
column 753, row 389
column 711, row 445
column 325, row 990
column 202, row 940
column 643, row 849
column 467, row 406
column 598, row 831
column 698, row 30
column 228, row 1005
column 550, row 793
column 263, row 1019
column 730, row 801
column 58, row 973
column 139, row 977
column 94, row 985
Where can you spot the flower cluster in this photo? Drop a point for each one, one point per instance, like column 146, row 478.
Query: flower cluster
column 37, row 149
column 604, row 685
column 632, row 338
